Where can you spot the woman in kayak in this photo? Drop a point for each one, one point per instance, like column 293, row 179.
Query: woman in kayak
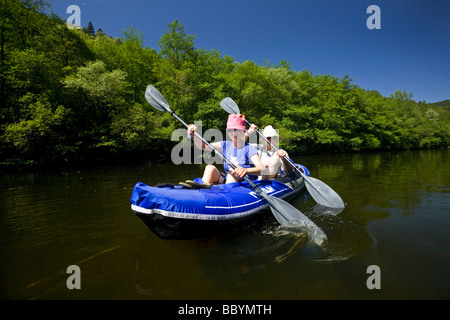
column 274, row 161
column 244, row 156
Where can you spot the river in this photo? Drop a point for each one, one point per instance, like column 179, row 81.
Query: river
column 390, row 242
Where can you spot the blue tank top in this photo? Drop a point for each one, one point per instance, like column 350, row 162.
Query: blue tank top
column 238, row 156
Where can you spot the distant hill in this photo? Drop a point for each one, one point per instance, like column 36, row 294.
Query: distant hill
column 445, row 103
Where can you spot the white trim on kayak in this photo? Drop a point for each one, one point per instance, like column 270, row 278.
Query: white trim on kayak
column 233, row 207
column 200, row 216
column 197, row 216
column 243, row 205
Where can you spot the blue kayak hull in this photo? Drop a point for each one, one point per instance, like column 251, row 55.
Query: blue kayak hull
column 173, row 212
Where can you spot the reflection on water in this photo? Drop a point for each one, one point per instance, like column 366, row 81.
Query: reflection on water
column 396, row 217
column 241, row 259
column 345, row 239
column 226, row 261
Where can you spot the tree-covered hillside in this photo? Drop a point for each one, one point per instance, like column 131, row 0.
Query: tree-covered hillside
column 71, row 95
column 445, row 103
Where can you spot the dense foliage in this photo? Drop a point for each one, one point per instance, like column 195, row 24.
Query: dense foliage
column 72, row 95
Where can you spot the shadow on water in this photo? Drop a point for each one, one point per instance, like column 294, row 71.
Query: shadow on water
column 234, row 263
column 214, row 267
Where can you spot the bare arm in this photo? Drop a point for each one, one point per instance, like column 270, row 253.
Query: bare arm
column 250, row 131
column 240, row 172
column 199, row 142
column 286, row 166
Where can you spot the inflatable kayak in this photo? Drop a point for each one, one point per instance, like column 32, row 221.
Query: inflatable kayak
column 175, row 212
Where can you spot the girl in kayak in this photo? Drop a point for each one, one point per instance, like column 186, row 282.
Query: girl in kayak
column 244, row 156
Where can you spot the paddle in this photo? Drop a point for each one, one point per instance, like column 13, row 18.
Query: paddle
column 319, row 190
column 283, row 211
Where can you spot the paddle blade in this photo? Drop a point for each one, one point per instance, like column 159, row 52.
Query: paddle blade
column 156, row 99
column 229, row 106
column 289, row 216
column 323, row 194
column 320, row 209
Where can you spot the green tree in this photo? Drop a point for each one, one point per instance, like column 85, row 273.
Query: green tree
column 96, row 97
column 21, row 23
column 176, row 45
column 67, row 95
column 32, row 139
column 90, row 29
column 175, row 69
column 138, row 62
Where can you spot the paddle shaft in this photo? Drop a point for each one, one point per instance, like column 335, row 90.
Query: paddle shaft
column 282, row 211
column 278, row 206
column 246, row 178
column 276, row 149
column 231, row 107
column 321, row 192
column 320, row 196
column 173, row 114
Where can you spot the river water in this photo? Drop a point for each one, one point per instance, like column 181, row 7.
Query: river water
column 391, row 241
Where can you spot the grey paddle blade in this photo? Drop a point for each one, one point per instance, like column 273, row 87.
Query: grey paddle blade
column 326, row 210
column 323, row 194
column 156, row 99
column 229, row 106
column 288, row 216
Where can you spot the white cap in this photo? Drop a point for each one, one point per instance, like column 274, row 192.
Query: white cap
column 269, row 131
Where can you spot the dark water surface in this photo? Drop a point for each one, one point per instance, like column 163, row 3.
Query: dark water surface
column 397, row 218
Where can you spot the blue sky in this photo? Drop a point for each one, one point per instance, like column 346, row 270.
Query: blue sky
column 410, row 52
